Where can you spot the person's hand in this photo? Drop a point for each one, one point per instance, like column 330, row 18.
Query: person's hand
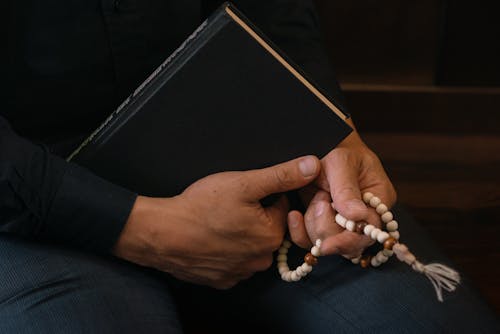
column 347, row 171
column 216, row 232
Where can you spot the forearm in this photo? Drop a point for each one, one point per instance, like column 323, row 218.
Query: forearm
column 48, row 199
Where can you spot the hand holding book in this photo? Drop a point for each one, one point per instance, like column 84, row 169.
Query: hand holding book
column 216, row 232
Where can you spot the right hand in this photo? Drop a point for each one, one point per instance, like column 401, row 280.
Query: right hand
column 216, row 232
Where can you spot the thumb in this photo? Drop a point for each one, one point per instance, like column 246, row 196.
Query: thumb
column 280, row 178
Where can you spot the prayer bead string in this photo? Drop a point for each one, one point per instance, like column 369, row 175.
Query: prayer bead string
column 442, row 277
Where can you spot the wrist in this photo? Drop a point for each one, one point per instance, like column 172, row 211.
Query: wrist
column 136, row 240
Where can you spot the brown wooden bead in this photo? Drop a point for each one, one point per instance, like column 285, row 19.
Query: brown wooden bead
column 365, row 261
column 360, row 227
column 311, row 259
column 389, row 243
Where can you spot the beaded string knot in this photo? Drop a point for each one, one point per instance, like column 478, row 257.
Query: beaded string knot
column 441, row 276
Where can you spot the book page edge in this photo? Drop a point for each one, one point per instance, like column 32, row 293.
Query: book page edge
column 289, row 67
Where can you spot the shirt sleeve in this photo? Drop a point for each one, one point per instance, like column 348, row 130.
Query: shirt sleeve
column 293, row 25
column 43, row 197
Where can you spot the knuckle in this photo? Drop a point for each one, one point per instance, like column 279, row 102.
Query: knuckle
column 283, row 177
column 273, row 238
column 243, row 183
column 342, row 153
column 346, row 191
column 371, row 158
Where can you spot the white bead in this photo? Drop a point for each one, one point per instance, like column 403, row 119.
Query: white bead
column 394, row 234
column 350, row 225
column 318, row 243
column 392, row 226
column 306, row 268
column 287, row 243
column 315, row 251
column 281, row 258
column 300, row 272
column 375, row 233
column 382, row 236
column 283, row 270
column 375, row 262
column 286, row 276
column 384, row 259
column 368, row 229
column 387, row 217
column 388, row 252
column 381, row 257
column 381, row 209
column 356, row 260
column 295, row 277
column 367, row 197
column 282, row 264
column 283, row 250
column 341, row 220
column 374, row 201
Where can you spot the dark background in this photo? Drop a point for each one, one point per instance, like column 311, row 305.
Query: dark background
column 422, row 81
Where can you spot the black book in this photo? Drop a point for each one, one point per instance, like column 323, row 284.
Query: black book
column 226, row 99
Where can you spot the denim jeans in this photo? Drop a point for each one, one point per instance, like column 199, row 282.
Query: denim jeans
column 46, row 289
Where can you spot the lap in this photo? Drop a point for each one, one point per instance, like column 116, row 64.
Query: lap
column 47, row 289
column 53, row 290
column 340, row 297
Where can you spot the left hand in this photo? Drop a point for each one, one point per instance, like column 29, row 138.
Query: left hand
column 347, row 171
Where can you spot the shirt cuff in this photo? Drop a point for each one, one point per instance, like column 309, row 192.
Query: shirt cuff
column 87, row 211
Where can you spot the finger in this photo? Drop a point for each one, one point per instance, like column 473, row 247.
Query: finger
column 319, row 217
column 260, row 263
column 376, row 181
column 371, row 218
column 277, row 214
column 297, row 229
column 384, row 190
column 346, row 243
column 342, row 173
column 278, row 211
column 280, row 178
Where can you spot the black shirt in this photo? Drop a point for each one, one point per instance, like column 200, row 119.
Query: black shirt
column 69, row 64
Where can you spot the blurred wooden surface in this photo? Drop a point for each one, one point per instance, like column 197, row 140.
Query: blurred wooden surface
column 388, row 41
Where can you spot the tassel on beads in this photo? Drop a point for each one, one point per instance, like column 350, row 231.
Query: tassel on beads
column 441, row 276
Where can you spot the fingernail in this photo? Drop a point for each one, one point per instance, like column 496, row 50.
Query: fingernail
column 318, row 210
column 308, row 166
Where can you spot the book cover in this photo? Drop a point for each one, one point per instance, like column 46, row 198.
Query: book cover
column 226, row 99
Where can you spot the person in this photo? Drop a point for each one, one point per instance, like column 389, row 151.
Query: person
column 80, row 254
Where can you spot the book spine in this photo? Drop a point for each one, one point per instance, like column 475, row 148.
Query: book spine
column 128, row 107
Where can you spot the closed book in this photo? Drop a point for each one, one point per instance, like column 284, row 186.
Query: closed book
column 227, row 99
